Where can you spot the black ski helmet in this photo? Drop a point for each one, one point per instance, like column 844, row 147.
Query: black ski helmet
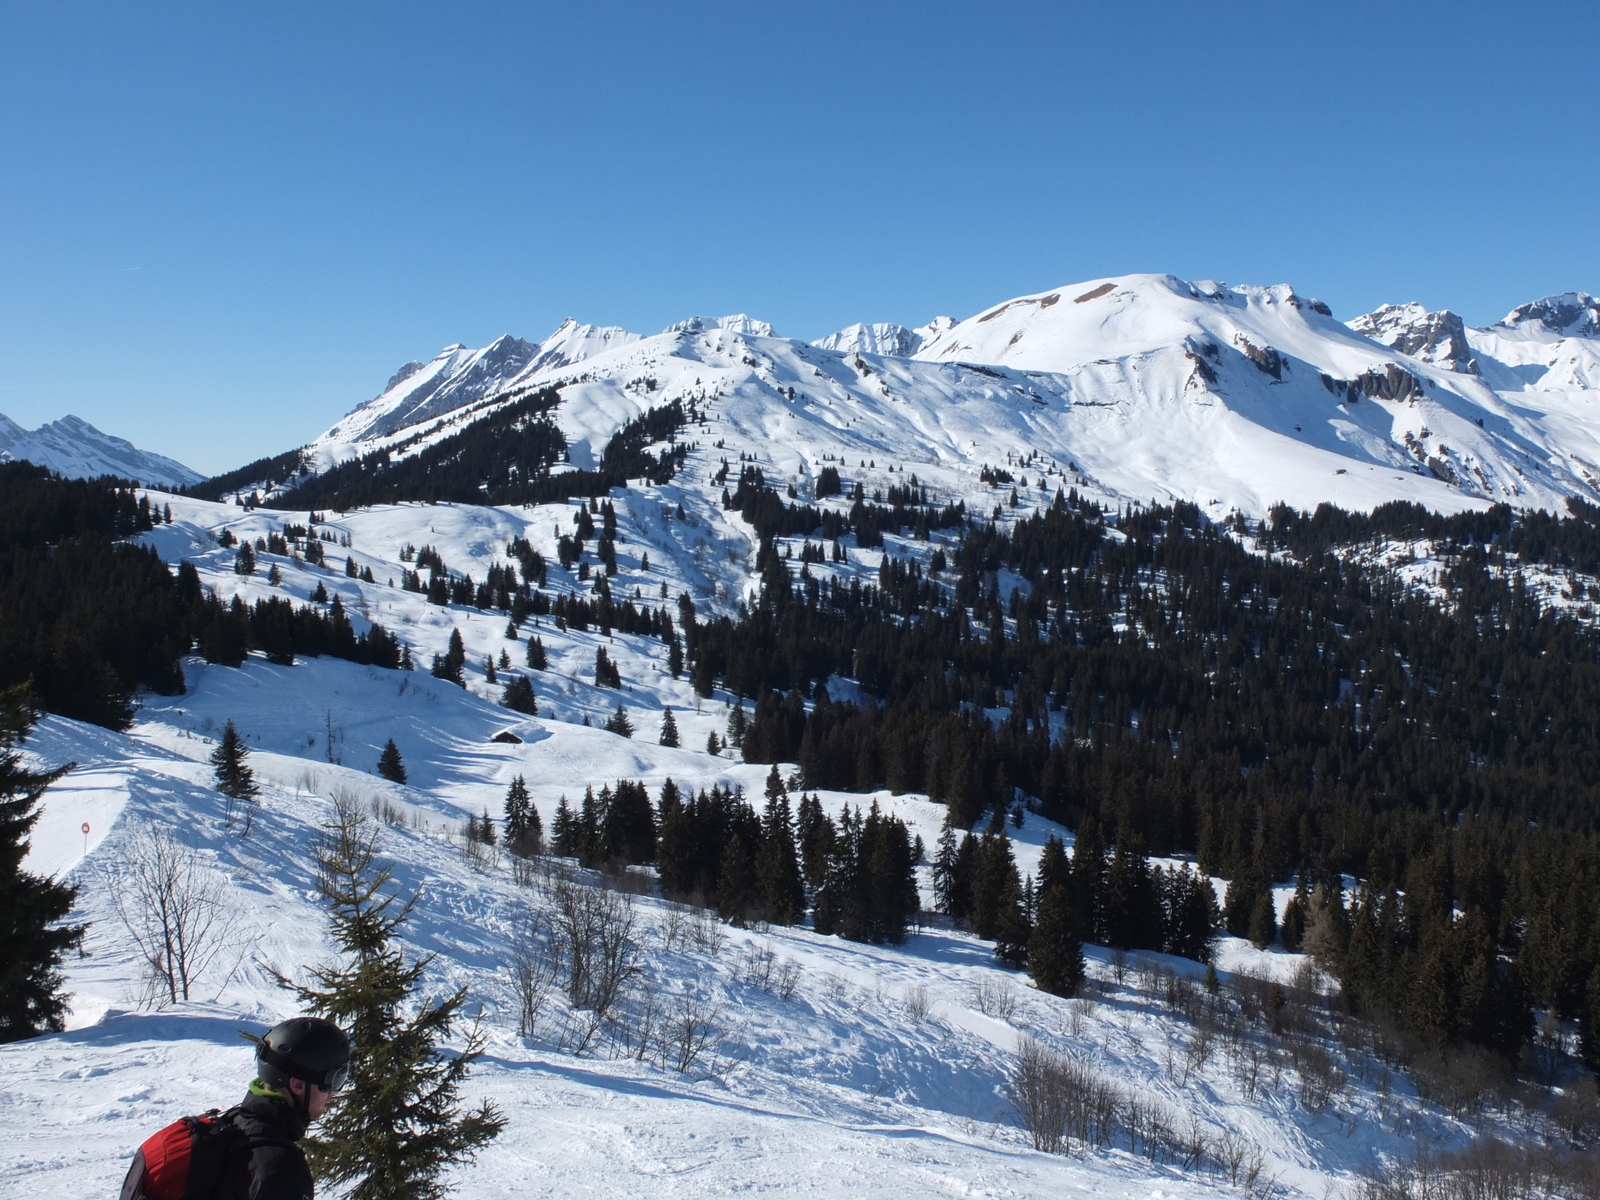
column 306, row 1048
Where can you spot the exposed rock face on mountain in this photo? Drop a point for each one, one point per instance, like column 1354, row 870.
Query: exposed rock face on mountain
column 1434, row 337
column 1571, row 314
column 73, row 447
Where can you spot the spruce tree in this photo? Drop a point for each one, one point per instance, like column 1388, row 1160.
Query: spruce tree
column 536, row 654
column 389, row 764
column 519, row 696
column 783, row 894
column 618, row 722
column 400, row 1124
column 1055, row 955
column 736, row 887
column 605, row 671
column 669, row 728
column 1263, row 920
column 245, row 563
column 32, row 941
column 235, row 780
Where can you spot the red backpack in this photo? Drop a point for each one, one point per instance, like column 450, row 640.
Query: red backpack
column 184, row 1161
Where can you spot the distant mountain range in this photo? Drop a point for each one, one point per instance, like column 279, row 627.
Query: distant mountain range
column 73, row 447
column 1140, row 387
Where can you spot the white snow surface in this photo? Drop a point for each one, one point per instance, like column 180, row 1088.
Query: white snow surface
column 846, row 1088
column 1131, row 389
column 74, row 448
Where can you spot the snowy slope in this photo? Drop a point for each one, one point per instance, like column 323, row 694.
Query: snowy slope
column 882, row 1072
column 73, row 447
column 1129, row 389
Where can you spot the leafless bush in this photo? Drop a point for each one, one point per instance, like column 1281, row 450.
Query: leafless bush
column 596, row 936
column 1320, row 1081
column 918, row 1006
column 1040, row 1091
column 387, row 811
column 1458, row 1078
column 173, row 904
column 1577, row 1112
column 995, row 997
column 1077, row 1011
column 1490, row 1170
column 533, row 967
column 763, row 968
column 706, row 932
column 687, row 1032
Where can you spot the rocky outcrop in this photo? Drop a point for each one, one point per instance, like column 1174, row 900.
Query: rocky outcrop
column 1438, row 338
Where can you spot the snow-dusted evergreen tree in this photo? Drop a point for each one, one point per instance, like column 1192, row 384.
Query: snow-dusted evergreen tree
column 669, row 728
column 235, row 780
column 519, row 696
column 389, row 764
column 400, row 1123
column 32, row 940
column 618, row 721
column 783, row 894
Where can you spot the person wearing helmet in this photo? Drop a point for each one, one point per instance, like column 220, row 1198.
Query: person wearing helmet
column 250, row 1152
column 300, row 1065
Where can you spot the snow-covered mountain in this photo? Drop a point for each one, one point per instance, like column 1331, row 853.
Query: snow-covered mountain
column 73, row 447
column 1132, row 388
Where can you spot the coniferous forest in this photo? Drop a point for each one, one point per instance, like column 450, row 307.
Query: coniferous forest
column 1270, row 709
column 86, row 618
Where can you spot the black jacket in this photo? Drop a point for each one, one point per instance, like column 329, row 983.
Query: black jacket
column 273, row 1168
column 256, row 1160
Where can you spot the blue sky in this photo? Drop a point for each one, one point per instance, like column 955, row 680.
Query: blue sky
column 222, row 226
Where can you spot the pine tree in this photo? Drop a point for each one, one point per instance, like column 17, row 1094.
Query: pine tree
column 669, row 728
column 400, row 1123
column 235, row 780
column 519, row 696
column 783, row 894
column 536, row 654
column 1055, row 955
column 519, row 817
column 449, row 664
column 628, row 831
column 1296, row 913
column 389, row 764
column 32, row 940
column 618, row 722
column 674, row 655
column 605, row 671
column 736, row 886
column 488, row 669
column 1263, row 921
column 713, row 743
column 245, row 563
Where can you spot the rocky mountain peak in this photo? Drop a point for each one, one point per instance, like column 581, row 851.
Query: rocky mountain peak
column 1438, row 337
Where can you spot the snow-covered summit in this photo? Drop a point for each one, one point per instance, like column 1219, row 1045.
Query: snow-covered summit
column 456, row 377
column 737, row 323
column 73, row 447
column 1571, row 314
column 1439, row 337
column 882, row 338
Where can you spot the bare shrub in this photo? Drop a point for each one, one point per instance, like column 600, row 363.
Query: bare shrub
column 1320, row 1080
column 763, row 968
column 1039, row 1090
column 706, row 932
column 387, row 811
column 1490, row 1170
column 995, row 997
column 173, row 904
column 918, row 1006
column 595, row 939
column 533, row 967
column 687, row 1032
